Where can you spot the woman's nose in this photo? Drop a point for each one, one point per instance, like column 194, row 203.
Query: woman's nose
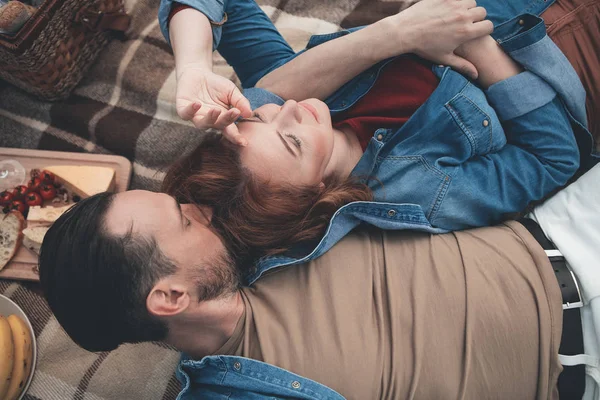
column 290, row 109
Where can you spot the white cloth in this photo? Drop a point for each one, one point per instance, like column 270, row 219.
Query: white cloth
column 571, row 220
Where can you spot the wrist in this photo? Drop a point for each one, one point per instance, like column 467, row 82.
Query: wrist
column 392, row 35
column 200, row 66
column 191, row 40
column 479, row 48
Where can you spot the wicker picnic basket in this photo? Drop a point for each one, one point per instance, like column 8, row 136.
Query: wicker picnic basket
column 55, row 47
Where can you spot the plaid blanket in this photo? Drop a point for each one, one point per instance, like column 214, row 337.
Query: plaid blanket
column 124, row 106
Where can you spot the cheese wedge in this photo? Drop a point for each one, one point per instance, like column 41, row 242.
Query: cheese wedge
column 84, row 180
column 46, row 214
column 33, row 238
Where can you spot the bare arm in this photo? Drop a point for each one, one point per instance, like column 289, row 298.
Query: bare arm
column 205, row 98
column 493, row 64
column 432, row 29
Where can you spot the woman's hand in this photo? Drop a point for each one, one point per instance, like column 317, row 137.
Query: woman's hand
column 492, row 63
column 210, row 101
column 433, row 29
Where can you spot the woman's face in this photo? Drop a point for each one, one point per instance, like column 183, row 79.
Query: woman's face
column 288, row 144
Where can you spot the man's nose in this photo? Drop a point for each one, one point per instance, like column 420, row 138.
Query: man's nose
column 290, row 109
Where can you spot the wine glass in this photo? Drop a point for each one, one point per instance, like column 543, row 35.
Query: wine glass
column 12, row 173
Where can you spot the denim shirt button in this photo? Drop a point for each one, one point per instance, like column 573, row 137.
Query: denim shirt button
column 521, row 22
column 343, row 104
column 296, row 385
column 380, row 137
column 391, row 213
column 237, row 365
column 441, row 66
column 486, row 122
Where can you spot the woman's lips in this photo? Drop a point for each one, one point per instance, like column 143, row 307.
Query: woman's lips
column 311, row 110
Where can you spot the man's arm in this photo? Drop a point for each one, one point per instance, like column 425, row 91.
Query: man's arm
column 432, row 29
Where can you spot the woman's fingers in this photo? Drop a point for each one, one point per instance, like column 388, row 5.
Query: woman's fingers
column 241, row 103
column 227, row 118
column 188, row 111
column 225, row 121
column 206, row 119
column 232, row 134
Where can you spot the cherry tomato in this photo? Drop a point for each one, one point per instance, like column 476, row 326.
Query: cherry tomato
column 20, row 192
column 34, row 184
column 5, row 198
column 33, row 199
column 47, row 176
column 19, row 206
column 47, row 191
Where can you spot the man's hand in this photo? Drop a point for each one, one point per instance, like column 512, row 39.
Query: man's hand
column 433, row 29
column 211, row 101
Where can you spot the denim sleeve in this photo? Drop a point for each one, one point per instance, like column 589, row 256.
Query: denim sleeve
column 259, row 97
column 524, row 38
column 213, row 9
column 247, row 39
column 250, row 42
column 519, row 95
column 540, row 156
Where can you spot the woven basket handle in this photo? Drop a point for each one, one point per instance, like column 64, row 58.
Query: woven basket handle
column 97, row 21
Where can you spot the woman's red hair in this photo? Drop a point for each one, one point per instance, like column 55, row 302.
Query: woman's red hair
column 255, row 218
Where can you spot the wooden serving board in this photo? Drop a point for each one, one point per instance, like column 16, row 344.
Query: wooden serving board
column 23, row 266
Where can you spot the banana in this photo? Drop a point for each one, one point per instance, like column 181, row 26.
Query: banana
column 23, row 356
column 7, row 356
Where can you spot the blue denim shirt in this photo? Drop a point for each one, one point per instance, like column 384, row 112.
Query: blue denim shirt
column 466, row 156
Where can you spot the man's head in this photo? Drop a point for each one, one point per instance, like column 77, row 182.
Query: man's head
column 118, row 268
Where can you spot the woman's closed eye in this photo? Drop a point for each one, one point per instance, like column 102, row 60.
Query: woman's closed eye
column 256, row 117
column 295, row 140
column 259, row 117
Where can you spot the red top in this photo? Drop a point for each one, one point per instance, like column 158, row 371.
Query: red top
column 402, row 86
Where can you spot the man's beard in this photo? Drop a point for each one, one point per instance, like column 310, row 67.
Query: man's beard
column 216, row 278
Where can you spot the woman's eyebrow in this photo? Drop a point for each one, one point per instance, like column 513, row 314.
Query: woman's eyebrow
column 250, row 119
column 286, row 144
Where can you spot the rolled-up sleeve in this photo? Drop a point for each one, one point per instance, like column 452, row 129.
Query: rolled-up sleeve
column 519, row 95
column 213, row 9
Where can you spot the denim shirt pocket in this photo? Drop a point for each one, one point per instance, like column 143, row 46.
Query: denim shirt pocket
column 411, row 179
column 477, row 120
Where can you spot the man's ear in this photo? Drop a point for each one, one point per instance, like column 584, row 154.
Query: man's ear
column 167, row 298
column 206, row 212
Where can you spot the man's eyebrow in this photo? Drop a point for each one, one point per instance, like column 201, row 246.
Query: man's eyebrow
column 286, row 144
column 179, row 209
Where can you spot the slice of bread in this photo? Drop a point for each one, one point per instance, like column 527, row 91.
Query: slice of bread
column 33, row 237
column 11, row 235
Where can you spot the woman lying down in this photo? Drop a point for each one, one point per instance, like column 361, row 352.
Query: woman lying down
column 403, row 145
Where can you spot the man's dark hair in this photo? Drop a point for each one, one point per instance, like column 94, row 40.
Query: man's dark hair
column 97, row 283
